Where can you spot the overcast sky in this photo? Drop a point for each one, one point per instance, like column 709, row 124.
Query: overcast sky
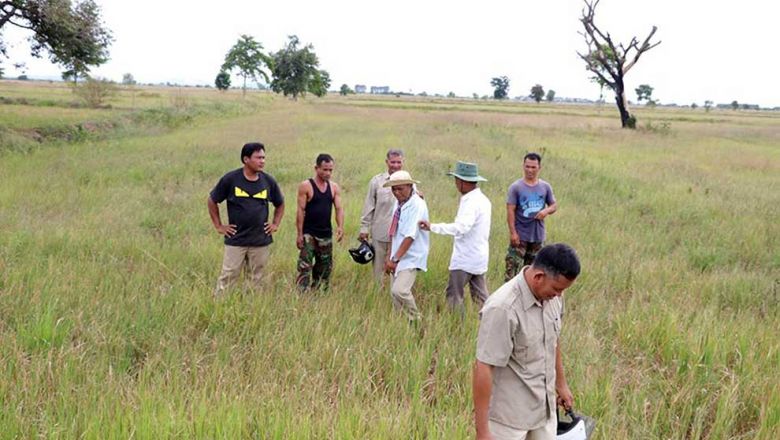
column 718, row 50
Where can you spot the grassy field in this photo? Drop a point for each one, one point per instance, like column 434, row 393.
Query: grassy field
column 107, row 262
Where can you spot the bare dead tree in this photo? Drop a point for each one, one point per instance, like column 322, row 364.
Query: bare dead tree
column 609, row 61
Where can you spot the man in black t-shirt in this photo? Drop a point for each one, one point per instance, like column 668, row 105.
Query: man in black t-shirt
column 248, row 191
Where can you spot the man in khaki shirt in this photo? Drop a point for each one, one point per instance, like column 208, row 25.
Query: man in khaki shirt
column 378, row 212
column 519, row 367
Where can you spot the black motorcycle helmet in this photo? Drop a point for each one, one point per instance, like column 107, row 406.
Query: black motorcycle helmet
column 363, row 254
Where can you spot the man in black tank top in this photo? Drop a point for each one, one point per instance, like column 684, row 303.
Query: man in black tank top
column 316, row 199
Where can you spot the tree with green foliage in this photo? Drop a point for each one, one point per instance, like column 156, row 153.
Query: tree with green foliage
column 128, row 79
column 611, row 61
column 694, row 106
column 500, row 87
column 320, row 83
column 734, row 105
column 345, row 90
column 73, row 34
column 451, row 95
column 644, row 92
column 295, row 71
column 707, row 105
column 222, row 81
column 550, row 95
column 537, row 93
column 248, row 59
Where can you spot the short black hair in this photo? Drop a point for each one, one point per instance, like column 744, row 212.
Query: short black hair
column 249, row 149
column 533, row 156
column 323, row 157
column 558, row 259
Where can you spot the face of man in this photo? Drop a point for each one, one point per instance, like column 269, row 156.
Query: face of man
column 255, row 162
column 531, row 169
column 546, row 287
column 402, row 192
column 324, row 170
column 394, row 163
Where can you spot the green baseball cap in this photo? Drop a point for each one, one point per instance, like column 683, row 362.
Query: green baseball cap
column 467, row 171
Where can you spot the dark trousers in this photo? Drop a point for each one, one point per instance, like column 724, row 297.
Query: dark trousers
column 456, row 288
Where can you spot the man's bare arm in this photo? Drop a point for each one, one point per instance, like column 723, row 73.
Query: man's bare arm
column 227, row 230
column 303, row 191
column 337, row 203
column 565, row 397
column 272, row 227
column 482, row 388
column 514, row 237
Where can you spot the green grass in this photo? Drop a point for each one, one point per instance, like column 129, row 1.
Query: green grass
column 107, row 262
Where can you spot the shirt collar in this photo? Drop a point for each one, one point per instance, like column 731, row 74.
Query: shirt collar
column 470, row 194
column 402, row 204
column 527, row 298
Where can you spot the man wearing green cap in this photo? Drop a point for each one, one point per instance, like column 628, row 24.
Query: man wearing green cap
column 471, row 229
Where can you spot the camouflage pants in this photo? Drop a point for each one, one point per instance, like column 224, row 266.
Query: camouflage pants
column 517, row 257
column 315, row 263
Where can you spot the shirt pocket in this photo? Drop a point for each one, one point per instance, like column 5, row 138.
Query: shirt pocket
column 529, row 348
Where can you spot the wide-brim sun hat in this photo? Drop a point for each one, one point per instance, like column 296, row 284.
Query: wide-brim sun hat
column 400, row 177
column 467, row 171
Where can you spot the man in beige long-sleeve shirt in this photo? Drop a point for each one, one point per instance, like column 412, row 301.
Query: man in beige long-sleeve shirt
column 378, row 212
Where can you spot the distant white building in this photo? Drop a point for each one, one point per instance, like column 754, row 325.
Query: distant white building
column 380, row 90
column 360, row 88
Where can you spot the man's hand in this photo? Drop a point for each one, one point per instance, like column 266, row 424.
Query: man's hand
column 514, row 239
column 484, row 436
column 363, row 236
column 565, row 398
column 541, row 214
column 425, row 225
column 339, row 234
column 390, row 266
column 270, row 228
column 227, row 230
column 299, row 242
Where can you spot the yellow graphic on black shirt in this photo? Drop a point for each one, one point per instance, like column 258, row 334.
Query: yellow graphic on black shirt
column 261, row 195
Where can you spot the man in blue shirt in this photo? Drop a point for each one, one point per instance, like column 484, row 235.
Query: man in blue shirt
column 408, row 243
column 529, row 201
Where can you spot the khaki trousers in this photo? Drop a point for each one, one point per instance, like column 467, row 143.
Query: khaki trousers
column 546, row 432
column 401, row 291
column 233, row 261
column 381, row 249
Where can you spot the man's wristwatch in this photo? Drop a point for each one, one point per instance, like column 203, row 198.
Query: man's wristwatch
column 395, row 260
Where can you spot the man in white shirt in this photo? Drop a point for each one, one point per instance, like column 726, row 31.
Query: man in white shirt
column 471, row 229
column 409, row 245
